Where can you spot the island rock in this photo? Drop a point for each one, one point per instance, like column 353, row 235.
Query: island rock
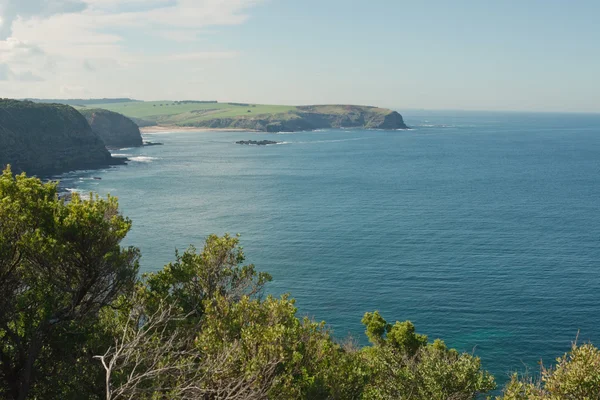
column 257, row 142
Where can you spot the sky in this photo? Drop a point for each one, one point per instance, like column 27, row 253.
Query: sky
column 525, row 55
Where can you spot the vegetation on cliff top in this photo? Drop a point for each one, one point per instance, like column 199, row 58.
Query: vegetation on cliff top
column 256, row 116
column 76, row 322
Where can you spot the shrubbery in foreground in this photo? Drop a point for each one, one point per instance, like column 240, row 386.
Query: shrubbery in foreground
column 76, row 322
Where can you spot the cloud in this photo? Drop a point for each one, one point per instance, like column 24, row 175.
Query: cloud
column 28, row 76
column 10, row 10
column 108, row 46
column 120, row 6
column 87, row 65
column 4, row 72
column 14, row 50
column 73, row 91
column 7, row 74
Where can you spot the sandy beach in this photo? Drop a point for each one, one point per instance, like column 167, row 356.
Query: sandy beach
column 175, row 128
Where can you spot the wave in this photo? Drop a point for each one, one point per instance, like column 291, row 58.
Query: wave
column 144, row 159
column 120, row 155
column 333, row 140
column 82, row 194
column 443, row 126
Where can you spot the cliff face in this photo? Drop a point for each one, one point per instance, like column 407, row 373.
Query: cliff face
column 307, row 118
column 47, row 139
column 114, row 129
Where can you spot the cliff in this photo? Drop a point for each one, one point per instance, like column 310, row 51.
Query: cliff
column 47, row 139
column 306, row 118
column 115, row 130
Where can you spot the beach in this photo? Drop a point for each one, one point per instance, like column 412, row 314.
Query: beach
column 175, row 128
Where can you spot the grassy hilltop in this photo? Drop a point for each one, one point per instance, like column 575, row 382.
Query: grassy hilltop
column 260, row 117
column 187, row 113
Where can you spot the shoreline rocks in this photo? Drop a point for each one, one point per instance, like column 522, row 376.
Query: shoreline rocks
column 256, row 142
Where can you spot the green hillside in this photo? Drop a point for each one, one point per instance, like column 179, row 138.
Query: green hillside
column 188, row 113
column 257, row 117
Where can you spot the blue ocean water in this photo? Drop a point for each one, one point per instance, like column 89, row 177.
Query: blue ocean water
column 481, row 228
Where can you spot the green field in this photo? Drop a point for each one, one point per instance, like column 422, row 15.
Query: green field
column 255, row 117
column 182, row 113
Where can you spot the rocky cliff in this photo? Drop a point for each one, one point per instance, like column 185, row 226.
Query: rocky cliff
column 47, row 139
column 114, row 129
column 306, row 118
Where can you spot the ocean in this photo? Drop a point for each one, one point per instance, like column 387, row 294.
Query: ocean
column 481, row 228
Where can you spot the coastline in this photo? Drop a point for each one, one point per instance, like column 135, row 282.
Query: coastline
column 176, row 128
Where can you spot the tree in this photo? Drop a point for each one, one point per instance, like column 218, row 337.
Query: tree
column 575, row 376
column 404, row 365
column 195, row 277
column 60, row 264
column 220, row 338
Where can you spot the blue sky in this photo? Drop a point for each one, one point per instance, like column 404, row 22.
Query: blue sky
column 474, row 55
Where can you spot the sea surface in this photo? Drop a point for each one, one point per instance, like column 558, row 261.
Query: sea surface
column 481, row 228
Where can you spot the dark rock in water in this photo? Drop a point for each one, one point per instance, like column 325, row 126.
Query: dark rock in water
column 257, row 142
column 48, row 139
column 152, row 144
column 116, row 130
column 97, row 178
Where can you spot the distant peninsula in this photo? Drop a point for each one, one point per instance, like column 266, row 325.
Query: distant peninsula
column 252, row 117
column 43, row 138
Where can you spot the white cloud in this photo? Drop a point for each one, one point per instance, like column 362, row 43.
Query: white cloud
column 28, row 76
column 88, row 66
column 13, row 50
column 10, row 10
column 73, row 91
column 77, row 44
column 7, row 74
column 4, row 72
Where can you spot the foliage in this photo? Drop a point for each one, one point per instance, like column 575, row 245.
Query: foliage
column 60, row 264
column 575, row 376
column 405, row 366
column 77, row 322
column 195, row 277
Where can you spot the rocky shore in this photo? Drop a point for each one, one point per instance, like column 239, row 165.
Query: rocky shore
column 257, row 142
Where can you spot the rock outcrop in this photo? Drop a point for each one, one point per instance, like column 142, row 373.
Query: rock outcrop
column 48, row 139
column 116, row 130
column 257, row 142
